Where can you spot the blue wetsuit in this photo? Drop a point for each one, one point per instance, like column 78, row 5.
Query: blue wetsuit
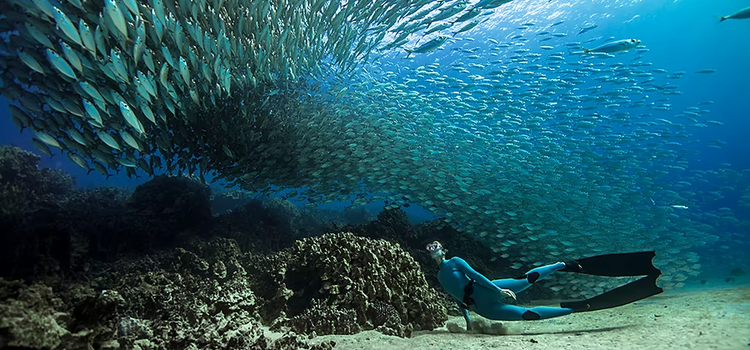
column 473, row 291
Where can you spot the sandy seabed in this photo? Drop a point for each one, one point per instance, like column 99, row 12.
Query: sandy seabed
column 684, row 319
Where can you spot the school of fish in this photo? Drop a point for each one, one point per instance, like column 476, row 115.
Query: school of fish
column 540, row 147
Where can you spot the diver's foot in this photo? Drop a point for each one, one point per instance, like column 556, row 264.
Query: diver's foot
column 572, row 266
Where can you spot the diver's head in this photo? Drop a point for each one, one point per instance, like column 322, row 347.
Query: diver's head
column 437, row 251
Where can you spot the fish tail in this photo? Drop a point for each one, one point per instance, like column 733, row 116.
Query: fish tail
column 408, row 53
column 585, row 50
column 89, row 172
column 723, row 18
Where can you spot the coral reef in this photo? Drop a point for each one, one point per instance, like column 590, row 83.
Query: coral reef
column 55, row 229
column 349, row 280
column 255, row 228
column 176, row 203
column 34, row 317
column 34, row 244
column 194, row 298
column 223, row 201
column 24, row 188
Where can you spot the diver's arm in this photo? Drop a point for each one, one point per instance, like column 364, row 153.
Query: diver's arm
column 478, row 277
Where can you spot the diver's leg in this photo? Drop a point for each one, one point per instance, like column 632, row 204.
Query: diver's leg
column 506, row 312
column 520, row 284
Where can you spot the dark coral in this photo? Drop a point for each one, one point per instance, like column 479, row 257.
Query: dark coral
column 24, row 188
column 34, row 244
column 255, row 228
column 175, row 203
column 338, row 272
column 60, row 229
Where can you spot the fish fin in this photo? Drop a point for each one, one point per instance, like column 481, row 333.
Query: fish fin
column 90, row 170
column 585, row 50
column 408, row 53
column 723, row 18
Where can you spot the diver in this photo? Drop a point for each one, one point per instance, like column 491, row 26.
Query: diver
column 472, row 291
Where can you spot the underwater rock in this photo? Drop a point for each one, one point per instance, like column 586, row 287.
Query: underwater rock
column 196, row 297
column 283, row 209
column 357, row 215
column 255, row 229
column 24, row 188
column 166, row 210
column 30, row 317
column 325, row 319
column 479, row 325
column 177, row 203
column 224, row 201
column 100, row 224
column 30, row 199
column 392, row 225
column 350, row 279
column 35, row 317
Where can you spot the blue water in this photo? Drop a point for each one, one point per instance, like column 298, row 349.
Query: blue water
column 682, row 35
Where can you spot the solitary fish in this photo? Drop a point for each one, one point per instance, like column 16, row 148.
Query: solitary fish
column 615, row 46
column 741, row 14
column 428, row 46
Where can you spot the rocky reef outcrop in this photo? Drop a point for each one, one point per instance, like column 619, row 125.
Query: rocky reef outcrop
column 339, row 283
column 33, row 242
column 198, row 297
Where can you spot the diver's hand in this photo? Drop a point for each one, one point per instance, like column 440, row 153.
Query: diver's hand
column 508, row 293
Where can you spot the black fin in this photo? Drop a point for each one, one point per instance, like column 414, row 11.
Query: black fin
column 631, row 292
column 613, row 265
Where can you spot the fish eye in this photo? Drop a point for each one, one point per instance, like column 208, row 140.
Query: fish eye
column 632, row 40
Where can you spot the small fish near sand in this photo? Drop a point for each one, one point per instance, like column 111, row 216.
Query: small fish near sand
column 741, row 14
column 615, row 46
